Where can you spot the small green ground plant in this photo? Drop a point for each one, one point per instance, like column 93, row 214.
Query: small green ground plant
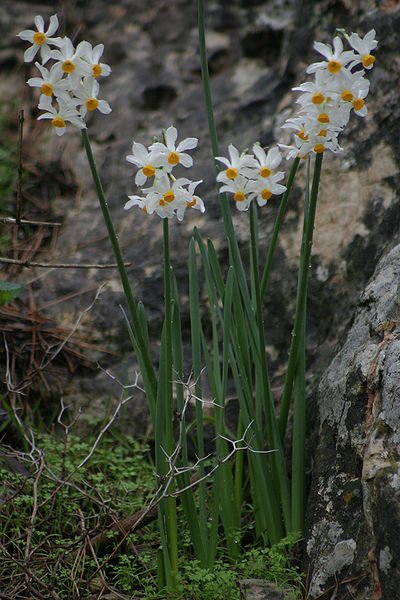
column 51, row 513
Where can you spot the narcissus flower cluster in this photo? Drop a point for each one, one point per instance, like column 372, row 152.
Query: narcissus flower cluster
column 251, row 176
column 166, row 195
column 69, row 89
column 338, row 90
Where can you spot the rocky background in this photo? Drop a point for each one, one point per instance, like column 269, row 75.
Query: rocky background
column 258, row 50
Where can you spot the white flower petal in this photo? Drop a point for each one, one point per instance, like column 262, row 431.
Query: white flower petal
column 45, row 53
column 170, row 137
column 186, row 160
column 104, row 107
column 97, row 52
column 35, row 82
column 274, row 158
column 187, row 144
column 134, row 201
column 140, row 178
column 224, row 160
column 39, row 22
column 259, row 153
column 46, row 115
column 30, row 53
column 233, row 152
column 105, row 70
column 338, row 45
column 26, row 35
column 53, row 26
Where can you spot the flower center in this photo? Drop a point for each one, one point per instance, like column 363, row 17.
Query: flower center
column 39, row 38
column 265, row 172
column 68, row 66
column 162, row 202
column 239, row 196
column 323, row 133
column 323, row 118
column 302, row 135
column 169, row 196
column 47, row 89
column 319, row 148
column 266, row 194
column 368, row 60
column 173, row 158
column 191, row 203
column 148, row 170
column 231, row 173
column 317, row 98
column 96, row 70
column 334, row 66
column 347, row 96
column 358, row 103
column 58, row 122
column 92, row 103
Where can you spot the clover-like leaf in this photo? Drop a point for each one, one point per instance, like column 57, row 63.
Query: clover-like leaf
column 9, row 291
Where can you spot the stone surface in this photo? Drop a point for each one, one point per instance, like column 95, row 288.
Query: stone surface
column 355, row 500
column 258, row 589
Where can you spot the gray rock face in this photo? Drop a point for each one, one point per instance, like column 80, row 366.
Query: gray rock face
column 257, row 589
column 353, row 540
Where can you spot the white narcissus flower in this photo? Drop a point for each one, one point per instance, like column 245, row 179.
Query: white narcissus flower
column 148, row 161
column 92, row 57
column 71, row 61
column 192, row 201
column 316, row 92
column 71, row 79
column 336, row 57
column 353, row 88
column 51, row 83
column 238, row 187
column 40, row 39
column 175, row 154
column 261, row 189
column 326, row 103
column 166, row 198
column 66, row 112
column 234, row 164
column 266, row 162
column 327, row 116
column 364, row 47
column 255, row 177
column 313, row 143
column 87, row 93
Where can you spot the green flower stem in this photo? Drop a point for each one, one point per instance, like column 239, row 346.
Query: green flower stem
column 277, row 226
column 168, row 337
column 195, row 328
column 301, row 297
column 167, row 396
column 142, row 348
column 269, row 409
column 299, row 436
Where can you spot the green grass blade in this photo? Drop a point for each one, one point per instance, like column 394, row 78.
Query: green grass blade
column 301, row 296
column 277, row 226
